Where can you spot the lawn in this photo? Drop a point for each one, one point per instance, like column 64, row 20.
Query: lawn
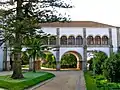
column 30, row 79
column 98, row 82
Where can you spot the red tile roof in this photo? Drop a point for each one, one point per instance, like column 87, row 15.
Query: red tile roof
column 76, row 24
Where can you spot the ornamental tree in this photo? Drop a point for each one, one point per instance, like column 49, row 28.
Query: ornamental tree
column 22, row 18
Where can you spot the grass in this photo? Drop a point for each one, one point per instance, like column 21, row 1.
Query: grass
column 99, row 82
column 90, row 82
column 30, row 79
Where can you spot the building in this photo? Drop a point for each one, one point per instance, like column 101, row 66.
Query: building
column 79, row 38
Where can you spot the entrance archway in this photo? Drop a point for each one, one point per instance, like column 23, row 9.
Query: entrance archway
column 93, row 55
column 77, row 56
column 49, row 61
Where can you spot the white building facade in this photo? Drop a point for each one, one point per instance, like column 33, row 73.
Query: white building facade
column 79, row 38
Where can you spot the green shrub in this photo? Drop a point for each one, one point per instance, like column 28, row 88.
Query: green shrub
column 50, row 61
column 98, row 60
column 68, row 61
column 112, row 68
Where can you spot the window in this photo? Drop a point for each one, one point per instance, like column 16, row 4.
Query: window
column 90, row 40
column 71, row 40
column 45, row 41
column 52, row 40
column 105, row 40
column 97, row 40
column 79, row 40
column 63, row 40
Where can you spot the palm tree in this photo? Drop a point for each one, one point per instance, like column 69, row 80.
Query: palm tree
column 35, row 48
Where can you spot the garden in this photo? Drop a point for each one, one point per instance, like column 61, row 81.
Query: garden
column 104, row 72
column 67, row 61
column 30, row 79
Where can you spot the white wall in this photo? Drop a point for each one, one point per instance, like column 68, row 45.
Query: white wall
column 114, row 39
column 71, row 31
column 97, row 31
column 103, row 49
column 49, row 30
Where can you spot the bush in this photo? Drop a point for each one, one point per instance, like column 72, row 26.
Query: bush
column 112, row 68
column 50, row 61
column 68, row 61
column 98, row 60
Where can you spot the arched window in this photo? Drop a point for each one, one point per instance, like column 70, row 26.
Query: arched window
column 52, row 40
column 71, row 40
column 79, row 40
column 105, row 40
column 63, row 40
column 90, row 40
column 97, row 40
column 45, row 41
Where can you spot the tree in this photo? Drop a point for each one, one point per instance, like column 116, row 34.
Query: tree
column 111, row 68
column 50, row 61
column 68, row 61
column 35, row 47
column 22, row 21
column 98, row 60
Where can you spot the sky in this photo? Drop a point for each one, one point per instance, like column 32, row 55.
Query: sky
column 104, row 11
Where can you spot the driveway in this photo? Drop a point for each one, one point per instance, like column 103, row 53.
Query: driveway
column 65, row 80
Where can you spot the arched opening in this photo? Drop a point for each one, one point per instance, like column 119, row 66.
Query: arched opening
column 71, row 40
column 71, row 59
column 90, row 40
column 49, row 61
column 63, row 40
column 105, row 40
column 45, row 41
column 79, row 40
column 97, row 40
column 95, row 57
column 52, row 40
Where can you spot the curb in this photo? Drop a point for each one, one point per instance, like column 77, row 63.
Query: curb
column 39, row 84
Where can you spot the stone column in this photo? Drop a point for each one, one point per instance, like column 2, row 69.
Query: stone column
column 30, row 64
column 4, row 58
column 84, row 61
column 118, row 39
column 57, row 49
column 110, row 41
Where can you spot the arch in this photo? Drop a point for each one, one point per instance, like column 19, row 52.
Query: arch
column 97, row 40
column 49, row 61
column 45, row 41
column 71, row 40
column 90, row 40
column 79, row 40
column 52, row 40
column 63, row 40
column 91, row 55
column 78, row 57
column 104, row 40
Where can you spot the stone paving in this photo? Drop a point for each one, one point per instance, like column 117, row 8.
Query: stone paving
column 65, row 80
column 2, row 73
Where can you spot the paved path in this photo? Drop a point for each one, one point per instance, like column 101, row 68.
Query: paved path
column 2, row 73
column 65, row 80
